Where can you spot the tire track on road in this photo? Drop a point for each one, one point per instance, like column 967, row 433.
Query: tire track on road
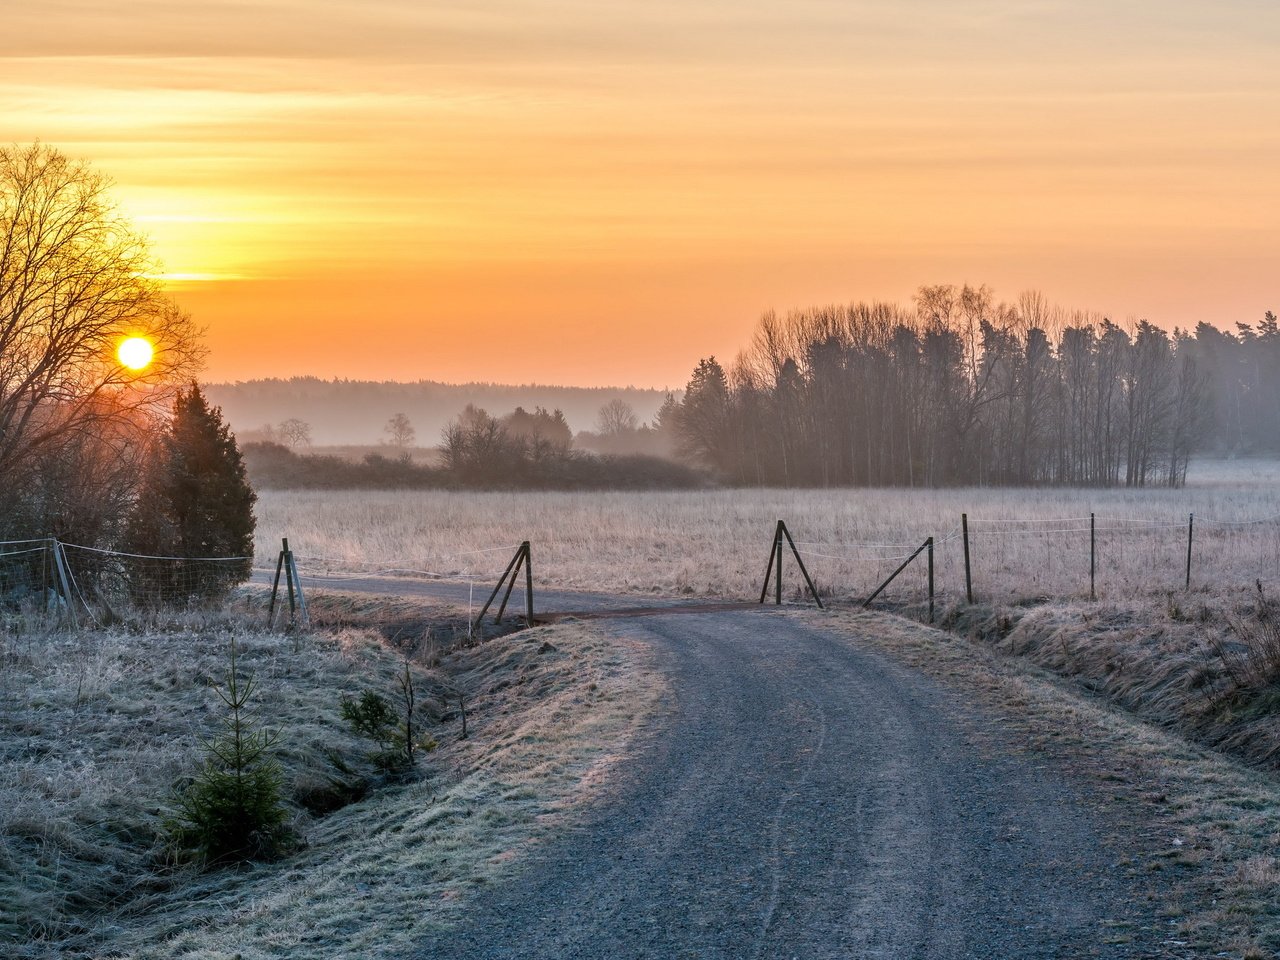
column 731, row 836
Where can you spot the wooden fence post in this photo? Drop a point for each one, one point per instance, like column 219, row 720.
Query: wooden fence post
column 275, row 590
column 64, row 582
column 288, row 579
column 44, row 575
column 799, row 562
column 777, row 571
column 774, row 569
column 528, row 585
column 902, row 566
column 968, row 574
column 1093, row 548
column 522, row 557
column 1191, row 526
column 511, row 584
column 297, row 582
column 931, row 579
column 774, row 557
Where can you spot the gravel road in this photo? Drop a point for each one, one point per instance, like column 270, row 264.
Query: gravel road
column 806, row 798
column 463, row 594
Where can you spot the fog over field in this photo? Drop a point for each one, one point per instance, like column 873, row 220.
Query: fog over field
column 355, row 411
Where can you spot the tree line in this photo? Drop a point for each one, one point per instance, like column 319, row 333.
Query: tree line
column 961, row 389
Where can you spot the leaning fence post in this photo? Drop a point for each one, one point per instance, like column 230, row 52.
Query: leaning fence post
column 1093, row 547
column 931, row 579
column 275, row 590
column 510, row 571
column 64, row 581
column 297, row 582
column 799, row 562
column 511, row 585
column 902, row 566
column 1191, row 526
column 44, row 575
column 774, row 557
column 968, row 574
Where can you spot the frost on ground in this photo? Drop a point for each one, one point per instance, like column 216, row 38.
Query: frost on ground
column 96, row 729
column 1203, row 821
column 1026, row 544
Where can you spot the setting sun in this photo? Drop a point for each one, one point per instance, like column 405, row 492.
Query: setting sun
column 135, row 353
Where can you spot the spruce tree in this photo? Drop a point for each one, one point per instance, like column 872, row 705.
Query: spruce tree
column 195, row 501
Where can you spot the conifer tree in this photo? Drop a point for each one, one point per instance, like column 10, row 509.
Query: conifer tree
column 195, row 501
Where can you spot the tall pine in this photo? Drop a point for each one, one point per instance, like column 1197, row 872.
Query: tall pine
column 195, row 502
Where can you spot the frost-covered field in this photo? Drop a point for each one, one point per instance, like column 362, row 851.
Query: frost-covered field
column 1024, row 542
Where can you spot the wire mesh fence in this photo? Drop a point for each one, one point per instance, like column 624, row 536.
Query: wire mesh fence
column 1010, row 559
column 1076, row 557
column 49, row 577
column 27, row 582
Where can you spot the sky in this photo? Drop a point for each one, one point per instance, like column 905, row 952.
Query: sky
column 594, row 193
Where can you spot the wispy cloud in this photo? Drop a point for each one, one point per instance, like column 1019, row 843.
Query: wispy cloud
column 296, row 138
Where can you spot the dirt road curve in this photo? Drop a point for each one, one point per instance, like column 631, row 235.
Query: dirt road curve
column 808, row 799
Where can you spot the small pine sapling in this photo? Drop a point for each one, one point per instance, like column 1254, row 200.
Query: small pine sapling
column 233, row 810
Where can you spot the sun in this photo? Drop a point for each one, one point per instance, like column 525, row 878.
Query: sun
column 135, row 353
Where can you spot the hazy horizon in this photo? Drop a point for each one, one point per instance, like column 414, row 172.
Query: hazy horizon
column 349, row 412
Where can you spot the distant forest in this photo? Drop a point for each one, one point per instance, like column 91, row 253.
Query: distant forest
column 964, row 390
column 957, row 389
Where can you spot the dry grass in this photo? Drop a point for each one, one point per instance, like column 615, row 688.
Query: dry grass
column 96, row 728
column 1180, row 666
column 716, row 543
column 1205, row 824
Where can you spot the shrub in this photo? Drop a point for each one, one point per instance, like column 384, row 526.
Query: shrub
column 1258, row 666
column 371, row 716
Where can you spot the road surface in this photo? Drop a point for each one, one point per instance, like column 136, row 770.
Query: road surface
column 806, row 797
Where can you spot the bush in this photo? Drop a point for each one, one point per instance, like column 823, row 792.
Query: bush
column 1258, row 666
column 272, row 466
column 371, row 716
column 233, row 811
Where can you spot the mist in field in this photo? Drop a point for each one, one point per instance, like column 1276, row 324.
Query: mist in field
column 355, row 412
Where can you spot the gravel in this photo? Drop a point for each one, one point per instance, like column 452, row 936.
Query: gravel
column 805, row 798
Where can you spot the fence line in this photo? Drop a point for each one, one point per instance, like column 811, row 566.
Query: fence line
column 1068, row 556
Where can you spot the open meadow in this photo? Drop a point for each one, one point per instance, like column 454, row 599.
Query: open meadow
column 1200, row 661
column 1026, row 544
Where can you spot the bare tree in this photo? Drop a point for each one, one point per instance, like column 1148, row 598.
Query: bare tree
column 75, row 281
column 616, row 418
column 399, row 431
column 295, row 432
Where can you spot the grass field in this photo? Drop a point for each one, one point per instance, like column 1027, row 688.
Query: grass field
column 1025, row 543
column 97, row 728
column 1145, row 642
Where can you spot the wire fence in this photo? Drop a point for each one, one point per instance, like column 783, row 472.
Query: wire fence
column 1095, row 555
column 1003, row 559
column 47, row 577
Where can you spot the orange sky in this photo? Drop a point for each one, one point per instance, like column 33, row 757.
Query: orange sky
column 596, row 193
